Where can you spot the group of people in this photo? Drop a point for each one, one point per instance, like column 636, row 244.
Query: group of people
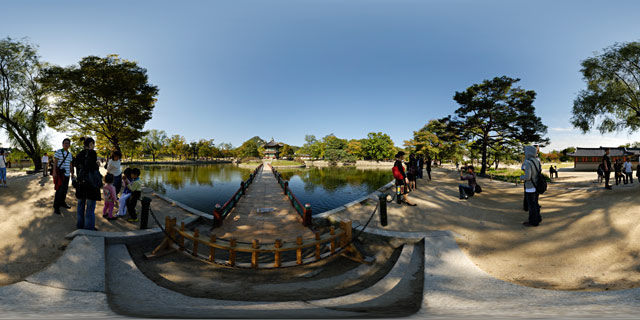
column 623, row 170
column 405, row 180
column 89, row 184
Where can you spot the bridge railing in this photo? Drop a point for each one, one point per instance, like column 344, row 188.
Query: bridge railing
column 334, row 241
column 221, row 212
column 303, row 211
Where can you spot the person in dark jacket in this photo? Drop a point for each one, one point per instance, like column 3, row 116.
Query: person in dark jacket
column 412, row 171
column 428, row 163
column 401, row 190
column 531, row 169
column 617, row 168
column 86, row 163
column 606, row 167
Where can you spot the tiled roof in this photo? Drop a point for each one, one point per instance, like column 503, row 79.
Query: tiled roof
column 599, row 152
column 273, row 144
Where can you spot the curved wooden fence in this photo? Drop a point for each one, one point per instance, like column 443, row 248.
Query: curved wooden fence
column 333, row 242
column 303, row 211
column 221, row 212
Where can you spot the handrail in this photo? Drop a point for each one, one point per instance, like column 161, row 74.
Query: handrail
column 221, row 212
column 304, row 211
column 336, row 240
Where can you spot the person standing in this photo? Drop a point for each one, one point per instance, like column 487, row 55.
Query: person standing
column 412, row 172
column 532, row 168
column 3, row 169
column 87, row 193
column 606, row 169
column 113, row 167
column 628, row 171
column 617, row 168
column 45, row 164
column 62, row 169
column 428, row 163
column 401, row 180
column 420, row 165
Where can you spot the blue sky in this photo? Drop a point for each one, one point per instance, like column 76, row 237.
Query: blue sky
column 230, row 70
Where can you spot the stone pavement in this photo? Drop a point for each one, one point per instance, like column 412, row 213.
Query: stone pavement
column 245, row 223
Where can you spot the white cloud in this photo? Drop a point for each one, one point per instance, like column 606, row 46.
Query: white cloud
column 562, row 129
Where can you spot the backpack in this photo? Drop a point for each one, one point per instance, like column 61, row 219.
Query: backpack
column 541, row 187
column 396, row 173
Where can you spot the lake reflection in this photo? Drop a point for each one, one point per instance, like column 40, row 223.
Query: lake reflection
column 202, row 186
column 330, row 187
column 198, row 186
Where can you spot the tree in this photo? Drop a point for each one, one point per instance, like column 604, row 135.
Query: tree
column 154, row 142
column 207, row 148
column 105, row 96
column 286, row 151
column 613, row 90
column 194, row 150
column 226, row 149
column 23, row 100
column 176, row 146
column 378, row 146
column 334, row 148
column 250, row 148
column 354, row 149
column 496, row 113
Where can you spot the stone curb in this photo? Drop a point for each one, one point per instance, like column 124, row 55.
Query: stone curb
column 127, row 237
column 184, row 207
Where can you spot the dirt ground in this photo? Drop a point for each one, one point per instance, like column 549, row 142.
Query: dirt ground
column 589, row 238
column 33, row 236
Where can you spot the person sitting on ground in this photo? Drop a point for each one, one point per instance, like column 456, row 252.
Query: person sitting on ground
column 401, row 180
column 126, row 193
column 3, row 169
column 136, row 190
column 628, row 171
column 469, row 190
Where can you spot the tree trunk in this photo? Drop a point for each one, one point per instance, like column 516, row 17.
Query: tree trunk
column 483, row 169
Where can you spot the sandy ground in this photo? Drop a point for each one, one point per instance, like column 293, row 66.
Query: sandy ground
column 33, row 236
column 589, row 238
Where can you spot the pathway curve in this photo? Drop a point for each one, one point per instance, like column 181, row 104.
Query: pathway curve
column 245, row 223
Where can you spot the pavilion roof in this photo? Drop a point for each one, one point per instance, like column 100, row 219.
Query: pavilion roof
column 599, row 152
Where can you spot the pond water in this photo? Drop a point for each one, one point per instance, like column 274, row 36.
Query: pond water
column 202, row 186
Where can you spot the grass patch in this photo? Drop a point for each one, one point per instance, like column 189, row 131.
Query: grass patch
column 285, row 163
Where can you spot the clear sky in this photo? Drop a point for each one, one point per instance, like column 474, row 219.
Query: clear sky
column 230, row 70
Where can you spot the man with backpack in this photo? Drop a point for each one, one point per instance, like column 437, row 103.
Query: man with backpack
column 534, row 184
column 62, row 171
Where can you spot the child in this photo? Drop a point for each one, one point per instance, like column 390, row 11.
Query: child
column 126, row 193
column 109, row 192
column 136, row 190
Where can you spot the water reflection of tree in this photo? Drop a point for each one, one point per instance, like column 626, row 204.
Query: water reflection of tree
column 333, row 179
column 179, row 176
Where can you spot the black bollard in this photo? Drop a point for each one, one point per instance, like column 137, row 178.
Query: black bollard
column 144, row 215
column 383, row 209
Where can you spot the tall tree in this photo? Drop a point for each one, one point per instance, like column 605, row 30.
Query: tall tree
column 106, row 96
column 154, row 142
column 334, row 148
column 613, row 90
column 176, row 146
column 378, row 146
column 494, row 113
column 23, row 100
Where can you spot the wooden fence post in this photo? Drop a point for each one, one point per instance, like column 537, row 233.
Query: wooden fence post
column 333, row 240
column 277, row 254
column 307, row 215
column 212, row 250
column 182, row 236
column 232, row 252
column 299, row 250
column 196, row 234
column 286, row 185
column 317, row 246
column 254, row 254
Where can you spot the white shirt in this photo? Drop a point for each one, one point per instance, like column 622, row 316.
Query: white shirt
column 45, row 159
column 60, row 155
column 3, row 161
column 627, row 166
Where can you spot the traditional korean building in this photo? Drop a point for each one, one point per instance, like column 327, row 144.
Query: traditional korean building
column 590, row 158
column 272, row 150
